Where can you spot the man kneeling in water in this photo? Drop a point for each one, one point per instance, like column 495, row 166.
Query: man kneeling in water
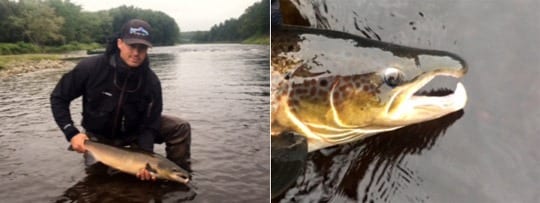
column 122, row 100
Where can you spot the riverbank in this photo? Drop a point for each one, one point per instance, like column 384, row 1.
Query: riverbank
column 24, row 63
column 260, row 39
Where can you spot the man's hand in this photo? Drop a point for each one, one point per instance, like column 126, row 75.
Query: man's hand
column 77, row 142
column 144, row 174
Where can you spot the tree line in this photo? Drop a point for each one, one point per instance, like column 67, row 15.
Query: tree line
column 60, row 22
column 254, row 22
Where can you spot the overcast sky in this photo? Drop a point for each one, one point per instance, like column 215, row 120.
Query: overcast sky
column 190, row 15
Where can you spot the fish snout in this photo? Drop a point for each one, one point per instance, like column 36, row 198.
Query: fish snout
column 181, row 177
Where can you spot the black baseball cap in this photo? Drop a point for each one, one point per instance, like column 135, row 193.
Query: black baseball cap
column 136, row 31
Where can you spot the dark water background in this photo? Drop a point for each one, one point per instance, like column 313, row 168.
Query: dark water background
column 486, row 153
column 221, row 89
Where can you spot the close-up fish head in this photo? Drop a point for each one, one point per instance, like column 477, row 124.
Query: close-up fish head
column 334, row 87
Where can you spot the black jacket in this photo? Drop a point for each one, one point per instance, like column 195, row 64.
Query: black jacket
column 100, row 80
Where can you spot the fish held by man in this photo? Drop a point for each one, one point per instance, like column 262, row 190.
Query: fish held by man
column 334, row 88
column 131, row 161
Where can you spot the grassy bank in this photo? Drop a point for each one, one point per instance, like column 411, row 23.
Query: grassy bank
column 25, row 63
column 27, row 48
column 7, row 60
column 260, row 39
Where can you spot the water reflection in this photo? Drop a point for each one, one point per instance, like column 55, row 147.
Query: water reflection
column 100, row 186
column 374, row 169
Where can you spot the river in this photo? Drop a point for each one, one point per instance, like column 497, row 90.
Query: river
column 486, row 153
column 221, row 89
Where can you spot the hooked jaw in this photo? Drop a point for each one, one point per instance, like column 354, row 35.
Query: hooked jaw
column 404, row 106
column 180, row 177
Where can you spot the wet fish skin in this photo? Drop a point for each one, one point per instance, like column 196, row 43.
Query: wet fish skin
column 334, row 87
column 131, row 161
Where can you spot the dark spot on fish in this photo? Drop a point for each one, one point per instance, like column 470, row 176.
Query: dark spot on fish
column 290, row 102
column 323, row 82
column 411, row 23
column 337, row 96
column 421, row 14
column 414, row 28
column 313, row 82
column 392, row 15
column 443, row 27
column 365, row 88
column 287, row 76
column 296, row 102
column 313, row 91
column 342, row 88
column 358, row 84
column 301, row 91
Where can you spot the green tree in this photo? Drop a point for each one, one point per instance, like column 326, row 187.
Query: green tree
column 38, row 22
column 8, row 32
column 59, row 22
column 71, row 15
column 255, row 21
column 97, row 26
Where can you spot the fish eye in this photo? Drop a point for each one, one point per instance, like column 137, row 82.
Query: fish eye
column 393, row 76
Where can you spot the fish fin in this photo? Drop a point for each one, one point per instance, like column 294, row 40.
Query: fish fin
column 112, row 171
column 89, row 159
column 150, row 169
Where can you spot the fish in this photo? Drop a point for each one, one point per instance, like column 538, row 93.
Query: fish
column 131, row 161
column 333, row 87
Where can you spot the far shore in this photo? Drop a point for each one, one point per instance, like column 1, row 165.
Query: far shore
column 24, row 63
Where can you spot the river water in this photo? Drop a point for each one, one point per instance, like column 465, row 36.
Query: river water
column 221, row 89
column 486, row 153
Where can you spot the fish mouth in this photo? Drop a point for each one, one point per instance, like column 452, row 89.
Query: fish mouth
column 181, row 178
column 409, row 105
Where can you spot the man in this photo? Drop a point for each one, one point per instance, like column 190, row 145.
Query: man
column 122, row 100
